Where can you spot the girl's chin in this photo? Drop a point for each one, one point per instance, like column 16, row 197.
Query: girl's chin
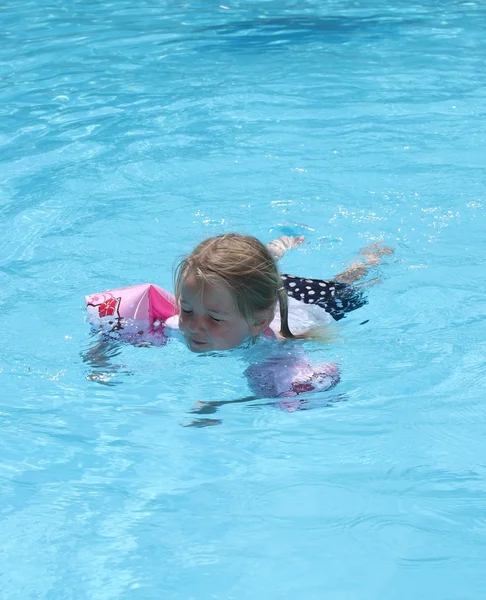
column 196, row 346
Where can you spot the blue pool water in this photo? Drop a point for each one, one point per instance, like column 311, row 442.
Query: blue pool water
column 132, row 130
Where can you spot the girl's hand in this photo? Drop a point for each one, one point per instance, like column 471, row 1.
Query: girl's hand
column 203, row 423
column 205, row 408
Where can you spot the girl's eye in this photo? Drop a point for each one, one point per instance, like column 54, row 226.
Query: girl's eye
column 216, row 320
column 185, row 311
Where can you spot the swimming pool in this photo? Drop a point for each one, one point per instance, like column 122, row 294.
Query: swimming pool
column 133, row 130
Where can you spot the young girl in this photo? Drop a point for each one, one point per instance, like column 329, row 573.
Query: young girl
column 229, row 289
column 229, row 293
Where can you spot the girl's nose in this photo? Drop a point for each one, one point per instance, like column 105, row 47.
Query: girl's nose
column 196, row 324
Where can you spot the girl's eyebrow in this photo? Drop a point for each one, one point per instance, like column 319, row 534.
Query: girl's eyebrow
column 217, row 311
column 213, row 310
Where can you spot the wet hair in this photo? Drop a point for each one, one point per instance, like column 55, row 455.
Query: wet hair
column 245, row 266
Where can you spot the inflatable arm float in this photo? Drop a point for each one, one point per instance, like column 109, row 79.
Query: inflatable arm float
column 136, row 310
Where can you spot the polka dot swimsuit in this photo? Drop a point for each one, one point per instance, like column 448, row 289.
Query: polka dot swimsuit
column 335, row 298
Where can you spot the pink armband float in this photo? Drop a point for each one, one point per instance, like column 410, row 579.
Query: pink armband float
column 137, row 310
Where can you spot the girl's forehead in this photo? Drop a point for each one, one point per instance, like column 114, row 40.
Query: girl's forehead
column 213, row 295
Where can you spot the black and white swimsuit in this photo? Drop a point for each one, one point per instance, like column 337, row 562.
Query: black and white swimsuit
column 334, row 297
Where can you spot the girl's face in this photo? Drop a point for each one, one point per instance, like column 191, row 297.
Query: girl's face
column 209, row 319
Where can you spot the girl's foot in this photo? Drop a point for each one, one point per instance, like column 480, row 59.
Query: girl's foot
column 280, row 246
column 372, row 255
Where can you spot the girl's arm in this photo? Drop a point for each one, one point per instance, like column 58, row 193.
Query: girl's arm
column 99, row 357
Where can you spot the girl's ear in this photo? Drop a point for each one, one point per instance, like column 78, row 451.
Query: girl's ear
column 261, row 322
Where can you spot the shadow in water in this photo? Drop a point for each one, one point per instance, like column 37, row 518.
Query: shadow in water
column 301, row 29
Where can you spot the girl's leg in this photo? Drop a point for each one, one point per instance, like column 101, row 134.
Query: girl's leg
column 341, row 294
column 372, row 256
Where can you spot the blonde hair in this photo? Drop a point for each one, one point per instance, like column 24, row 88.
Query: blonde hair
column 246, row 267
